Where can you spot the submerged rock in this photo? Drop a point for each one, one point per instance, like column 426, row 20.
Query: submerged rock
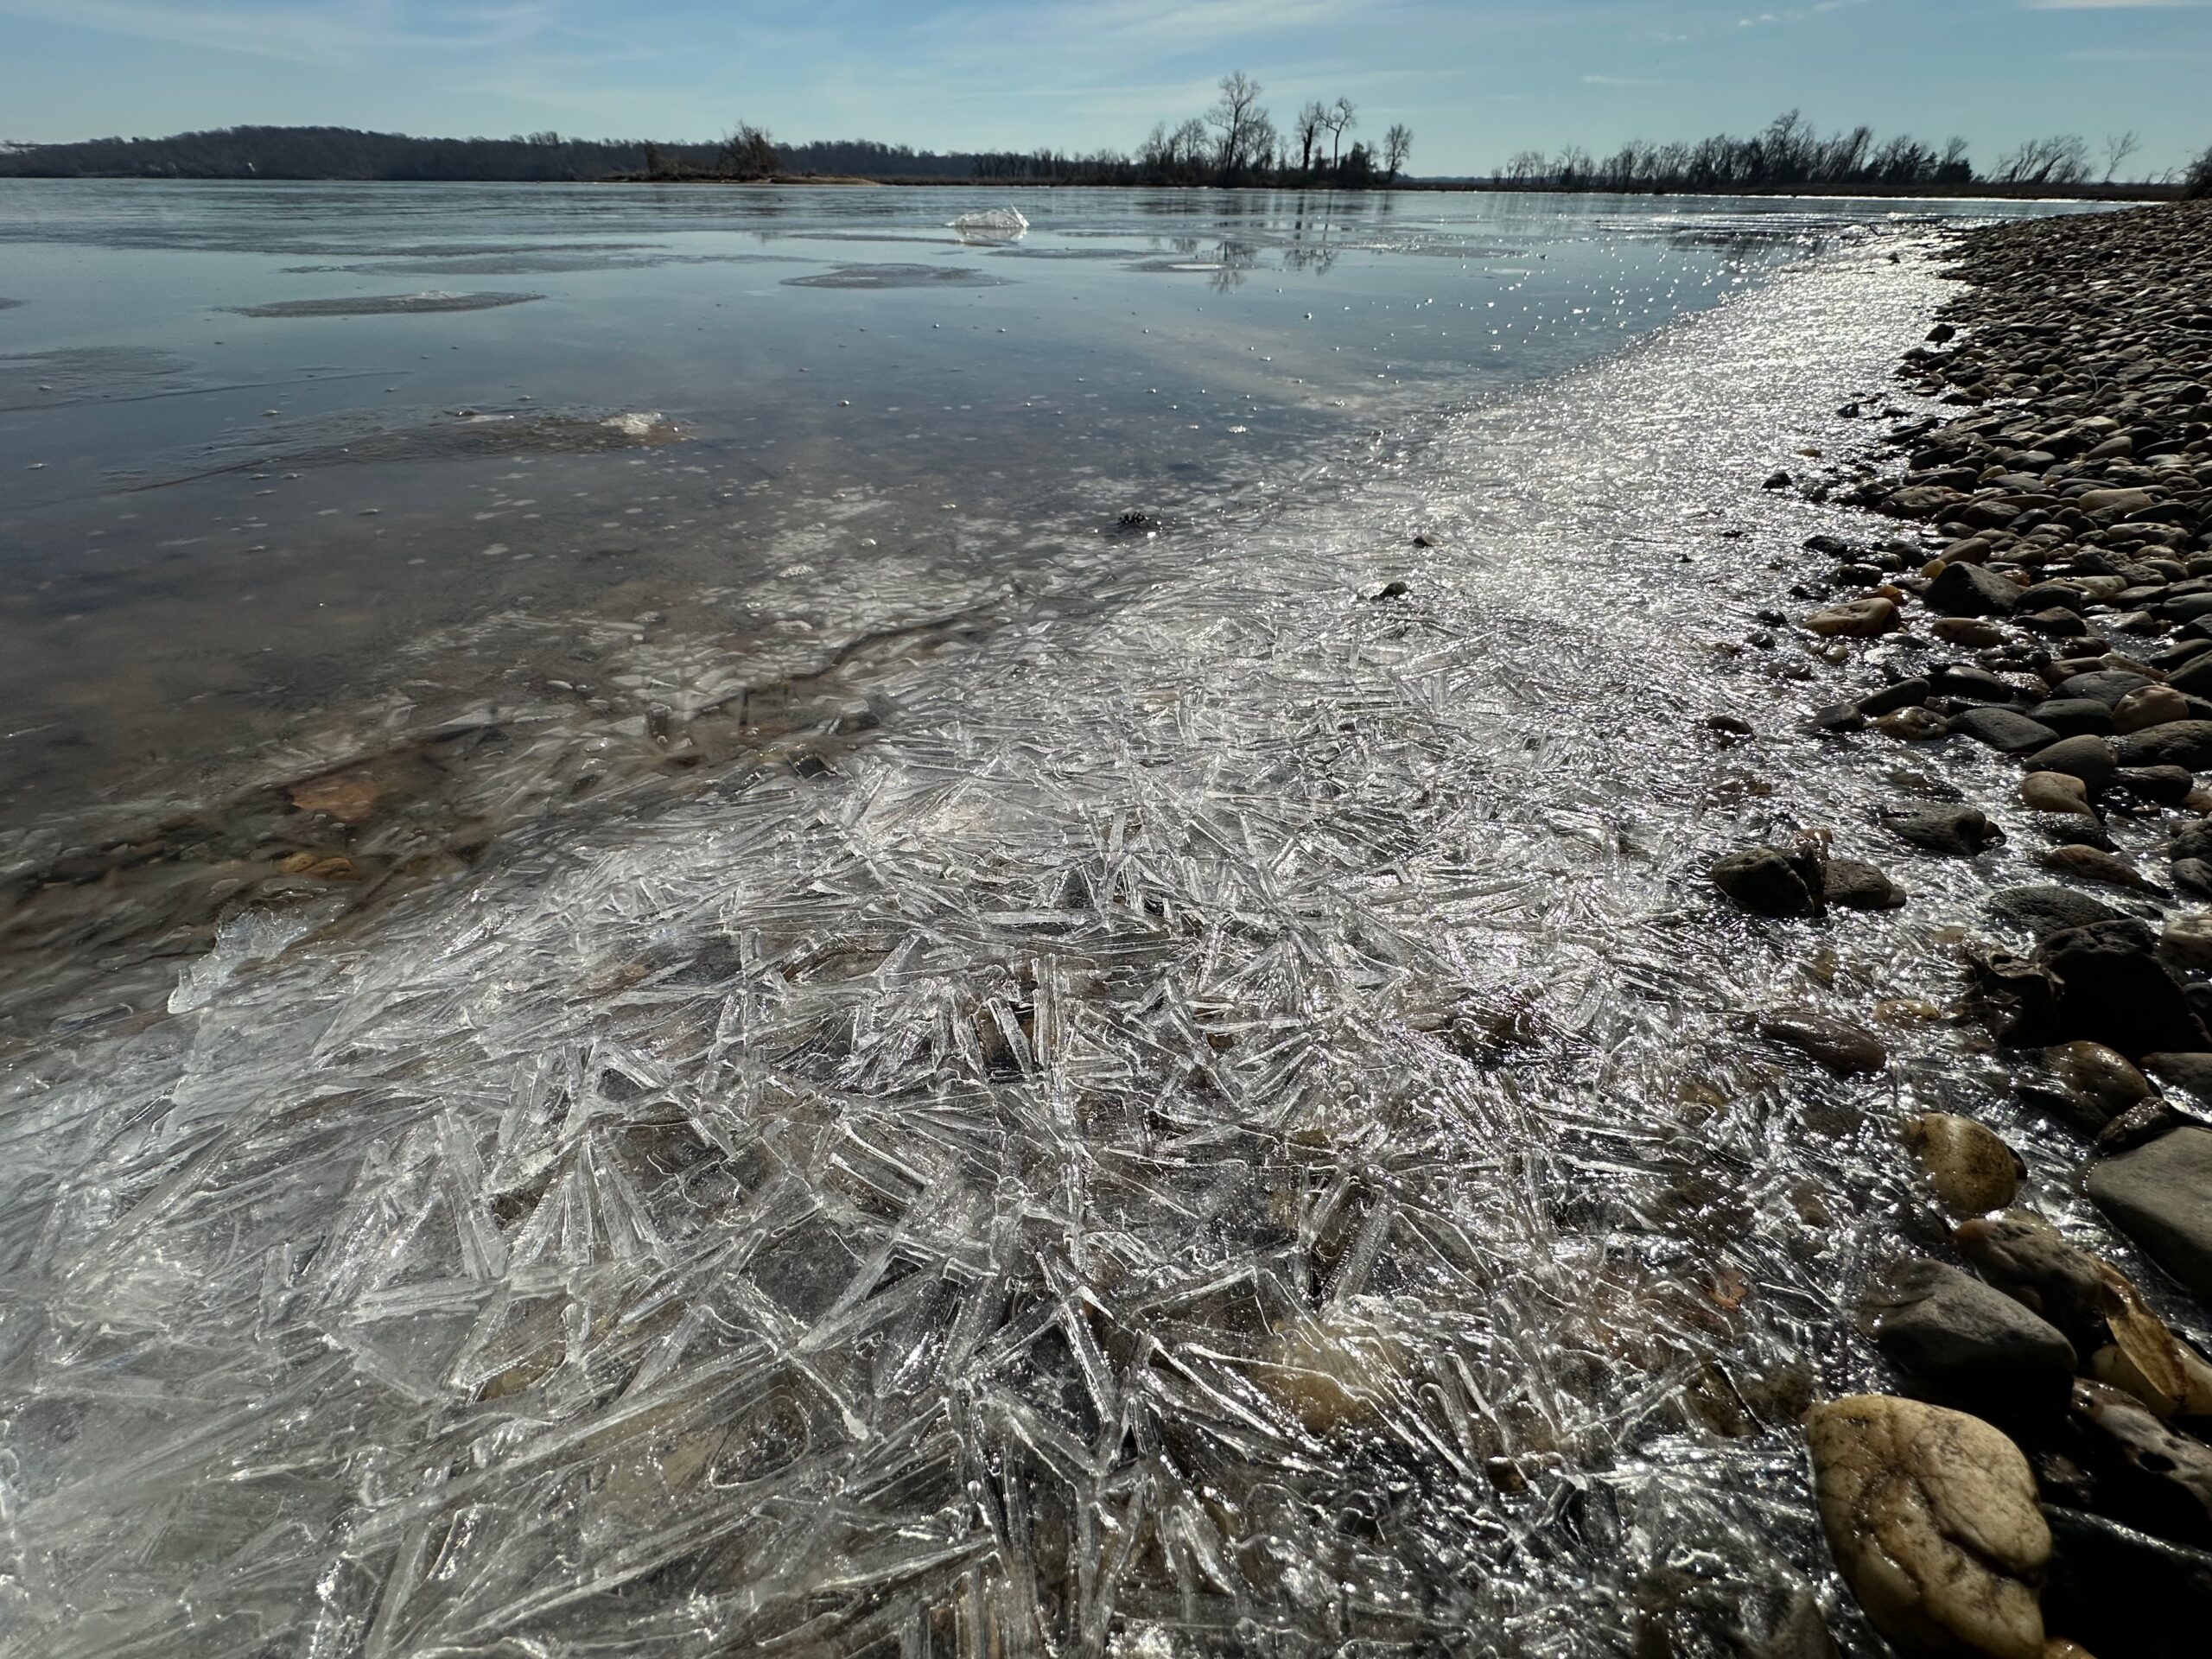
column 1843, row 1048
column 2045, row 910
column 1932, row 1516
column 1970, row 1167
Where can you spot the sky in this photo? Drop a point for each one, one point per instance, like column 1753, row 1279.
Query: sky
column 1475, row 79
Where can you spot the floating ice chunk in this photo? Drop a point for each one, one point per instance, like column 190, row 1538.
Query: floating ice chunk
column 991, row 221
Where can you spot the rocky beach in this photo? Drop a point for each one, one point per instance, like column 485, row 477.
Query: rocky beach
column 2034, row 579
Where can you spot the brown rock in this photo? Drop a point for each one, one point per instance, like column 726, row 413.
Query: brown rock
column 2149, row 706
column 1858, row 619
column 1971, row 1168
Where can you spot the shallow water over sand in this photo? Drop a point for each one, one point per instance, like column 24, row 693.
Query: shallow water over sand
column 1183, row 1109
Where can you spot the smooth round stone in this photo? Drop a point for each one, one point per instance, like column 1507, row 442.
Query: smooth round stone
column 1858, row 619
column 2056, row 791
column 2151, row 705
column 2187, row 941
column 1970, row 1166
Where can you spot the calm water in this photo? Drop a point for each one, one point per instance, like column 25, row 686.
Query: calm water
column 221, row 533
column 1007, row 1083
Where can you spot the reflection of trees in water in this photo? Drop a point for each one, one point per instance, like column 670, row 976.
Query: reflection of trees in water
column 1233, row 260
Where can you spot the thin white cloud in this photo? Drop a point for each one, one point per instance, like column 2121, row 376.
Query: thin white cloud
column 334, row 34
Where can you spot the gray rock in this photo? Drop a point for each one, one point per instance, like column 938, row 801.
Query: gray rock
column 2024, row 1256
column 2192, row 841
column 2107, row 686
column 1851, row 884
column 1971, row 684
column 2006, row 730
column 1971, row 590
column 1969, row 1343
column 2178, row 743
column 2191, row 1073
column 2161, row 786
column 1956, row 831
column 2090, row 759
column 1906, row 694
column 2161, row 1197
column 2045, row 910
column 1768, row 881
column 2074, row 717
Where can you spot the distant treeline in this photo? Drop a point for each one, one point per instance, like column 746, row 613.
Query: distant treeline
column 1790, row 154
column 542, row 158
column 1237, row 143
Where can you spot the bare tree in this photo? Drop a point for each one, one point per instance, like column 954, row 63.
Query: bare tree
column 1237, row 118
column 2119, row 146
column 2063, row 159
column 1311, row 120
column 1343, row 116
column 749, row 153
column 1398, row 145
column 2196, row 183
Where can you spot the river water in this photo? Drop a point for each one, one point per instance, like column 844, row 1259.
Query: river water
column 1153, row 1103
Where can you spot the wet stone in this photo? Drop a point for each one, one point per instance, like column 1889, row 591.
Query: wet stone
column 1968, row 1343
column 1970, row 1166
column 2028, row 1259
column 1845, row 1049
column 1956, row 831
column 1931, row 1516
column 2006, row 730
column 2166, row 1603
column 1768, row 881
column 1851, row 884
column 2160, row 1196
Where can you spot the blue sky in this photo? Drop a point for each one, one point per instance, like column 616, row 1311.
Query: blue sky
column 1475, row 79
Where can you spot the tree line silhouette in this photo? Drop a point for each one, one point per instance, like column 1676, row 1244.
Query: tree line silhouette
column 1237, row 141
column 1790, row 154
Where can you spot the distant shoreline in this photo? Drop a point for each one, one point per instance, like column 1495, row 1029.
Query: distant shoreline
column 1977, row 191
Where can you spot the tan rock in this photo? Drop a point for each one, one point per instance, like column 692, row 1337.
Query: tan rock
column 2187, row 941
column 2098, row 1077
column 1971, row 1168
column 2147, row 705
column 1334, row 1368
column 1932, row 1517
column 2056, row 791
column 1858, row 619
column 2093, row 864
column 1971, row 632
column 1912, row 725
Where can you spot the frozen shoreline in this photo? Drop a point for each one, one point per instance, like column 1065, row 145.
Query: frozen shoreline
column 1226, row 1114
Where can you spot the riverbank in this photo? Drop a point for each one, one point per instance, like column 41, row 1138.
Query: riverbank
column 2041, row 592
